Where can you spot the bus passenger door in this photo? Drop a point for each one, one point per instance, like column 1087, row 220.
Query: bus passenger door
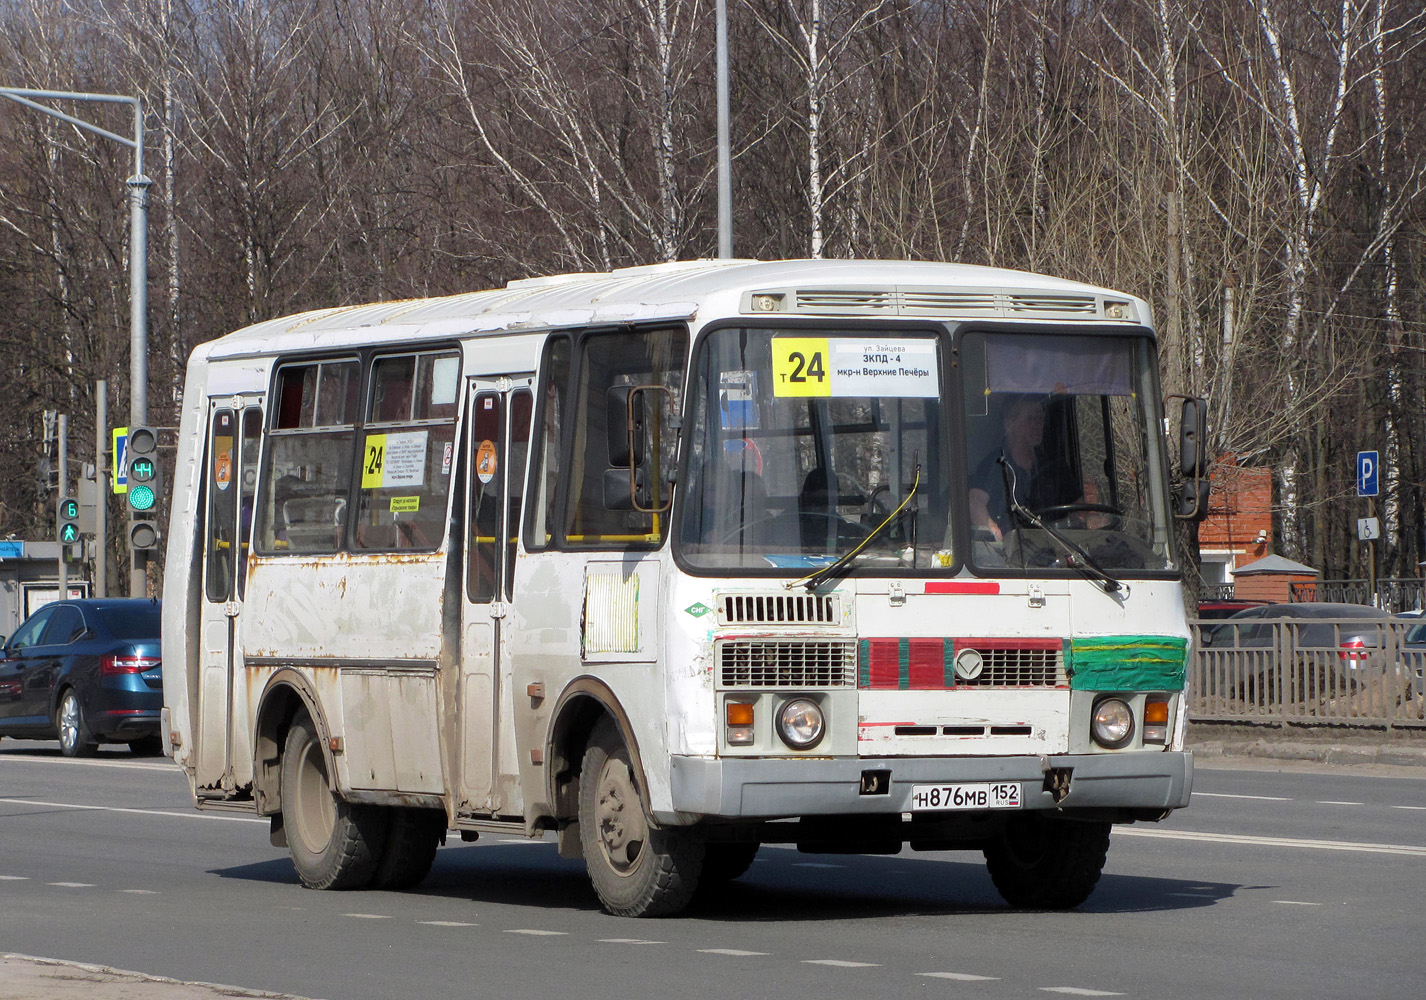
column 499, row 422
column 230, row 483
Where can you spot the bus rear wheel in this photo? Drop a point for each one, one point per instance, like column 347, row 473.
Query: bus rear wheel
column 411, row 842
column 1047, row 863
column 638, row 870
column 334, row 844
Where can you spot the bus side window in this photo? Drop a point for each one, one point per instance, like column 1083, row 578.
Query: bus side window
column 221, row 509
column 486, row 464
column 308, row 464
column 407, row 451
column 541, row 515
column 521, row 405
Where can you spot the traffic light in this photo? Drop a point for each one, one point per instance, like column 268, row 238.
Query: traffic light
column 145, row 479
column 67, row 531
column 144, row 474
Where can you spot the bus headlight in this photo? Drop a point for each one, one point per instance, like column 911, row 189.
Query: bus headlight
column 1113, row 725
column 800, row 723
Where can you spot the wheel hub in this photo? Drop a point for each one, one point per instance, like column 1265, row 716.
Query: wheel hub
column 622, row 828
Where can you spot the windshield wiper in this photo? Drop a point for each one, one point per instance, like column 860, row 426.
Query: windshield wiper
column 812, row 580
column 1076, row 556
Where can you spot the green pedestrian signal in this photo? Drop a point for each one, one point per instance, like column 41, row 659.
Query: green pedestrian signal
column 67, row 529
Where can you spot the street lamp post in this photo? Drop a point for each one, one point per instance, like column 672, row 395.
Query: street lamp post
column 138, row 186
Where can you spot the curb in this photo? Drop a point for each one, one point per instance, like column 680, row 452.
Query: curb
column 1320, row 753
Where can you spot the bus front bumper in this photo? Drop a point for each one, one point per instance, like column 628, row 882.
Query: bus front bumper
column 778, row 788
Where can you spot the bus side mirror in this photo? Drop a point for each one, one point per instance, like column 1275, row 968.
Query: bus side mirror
column 1192, row 437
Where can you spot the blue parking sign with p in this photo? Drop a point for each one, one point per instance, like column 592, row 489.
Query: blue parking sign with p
column 1366, row 474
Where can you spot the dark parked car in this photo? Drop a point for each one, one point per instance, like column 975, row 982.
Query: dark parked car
column 1210, row 611
column 1334, row 646
column 85, row 672
column 1413, row 656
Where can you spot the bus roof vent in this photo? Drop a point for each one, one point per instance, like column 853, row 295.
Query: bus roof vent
column 930, row 301
column 779, row 609
column 1060, row 305
column 814, row 300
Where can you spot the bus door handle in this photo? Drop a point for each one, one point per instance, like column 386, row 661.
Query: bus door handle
column 497, row 609
column 231, row 609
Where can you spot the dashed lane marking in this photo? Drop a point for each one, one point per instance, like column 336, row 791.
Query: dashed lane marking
column 734, row 952
column 534, row 932
column 127, row 765
column 1295, row 902
column 14, row 878
column 446, row 923
column 1226, row 795
column 368, row 916
column 960, row 977
column 195, row 814
column 1076, row 991
column 72, row 885
column 1413, row 808
column 814, row 864
column 628, row 941
column 140, row 892
column 838, row 963
column 1330, row 802
column 1238, row 838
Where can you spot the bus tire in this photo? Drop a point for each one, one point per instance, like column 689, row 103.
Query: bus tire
column 411, row 841
column 726, row 862
column 1047, row 863
column 638, row 870
column 334, row 844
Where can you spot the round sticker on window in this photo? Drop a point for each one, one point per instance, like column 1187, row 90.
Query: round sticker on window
column 485, row 461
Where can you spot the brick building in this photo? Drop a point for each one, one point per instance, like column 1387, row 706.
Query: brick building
column 1239, row 526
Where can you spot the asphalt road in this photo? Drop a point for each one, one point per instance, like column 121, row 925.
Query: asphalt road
column 1288, row 882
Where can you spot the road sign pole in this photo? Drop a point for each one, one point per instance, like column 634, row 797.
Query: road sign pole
column 101, row 489
column 63, row 490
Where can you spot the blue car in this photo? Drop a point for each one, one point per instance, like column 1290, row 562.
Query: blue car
column 85, row 672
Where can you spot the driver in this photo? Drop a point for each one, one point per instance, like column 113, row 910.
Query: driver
column 1041, row 481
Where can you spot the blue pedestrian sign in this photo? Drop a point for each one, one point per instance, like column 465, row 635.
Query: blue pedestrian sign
column 1366, row 474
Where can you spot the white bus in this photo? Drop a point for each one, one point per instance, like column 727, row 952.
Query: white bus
column 680, row 560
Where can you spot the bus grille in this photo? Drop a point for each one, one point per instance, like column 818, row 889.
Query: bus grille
column 779, row 609
column 763, row 663
column 1019, row 668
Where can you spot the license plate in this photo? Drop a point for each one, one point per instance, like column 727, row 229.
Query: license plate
column 983, row 795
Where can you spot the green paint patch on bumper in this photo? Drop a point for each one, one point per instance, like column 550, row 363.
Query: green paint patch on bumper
column 1127, row 663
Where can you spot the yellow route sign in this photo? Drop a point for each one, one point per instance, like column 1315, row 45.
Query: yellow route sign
column 800, row 367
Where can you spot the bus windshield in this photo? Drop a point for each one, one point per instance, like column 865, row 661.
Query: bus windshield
column 1063, row 457
column 807, row 446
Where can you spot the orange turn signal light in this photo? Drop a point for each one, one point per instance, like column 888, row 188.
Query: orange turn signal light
column 1156, row 713
column 740, row 713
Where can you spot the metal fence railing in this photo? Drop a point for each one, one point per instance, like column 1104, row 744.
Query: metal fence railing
column 1325, row 671
column 1394, row 594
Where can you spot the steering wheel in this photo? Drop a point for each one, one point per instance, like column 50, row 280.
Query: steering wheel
column 1057, row 511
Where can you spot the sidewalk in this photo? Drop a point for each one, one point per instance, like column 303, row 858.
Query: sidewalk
column 26, row 978
column 1319, row 745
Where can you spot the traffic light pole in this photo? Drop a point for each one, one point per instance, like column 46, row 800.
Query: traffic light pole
column 63, row 492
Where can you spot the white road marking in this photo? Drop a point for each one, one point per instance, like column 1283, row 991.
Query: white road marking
column 814, row 864
column 1238, row 838
column 72, row 885
column 840, row 963
column 1225, row 795
column 1329, row 802
column 92, row 763
column 1078, row 992
column 14, row 878
column 960, row 977
column 537, row 933
column 1191, row 895
column 628, row 941
column 735, row 952
column 446, row 923
column 195, row 814
column 368, row 916
column 140, row 892
column 1295, row 902
column 1414, row 808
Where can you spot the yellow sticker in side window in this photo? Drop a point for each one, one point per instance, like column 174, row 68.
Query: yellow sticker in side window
column 800, row 367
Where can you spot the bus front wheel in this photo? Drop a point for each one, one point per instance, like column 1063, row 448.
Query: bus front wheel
column 638, row 870
column 334, row 844
column 1046, row 863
